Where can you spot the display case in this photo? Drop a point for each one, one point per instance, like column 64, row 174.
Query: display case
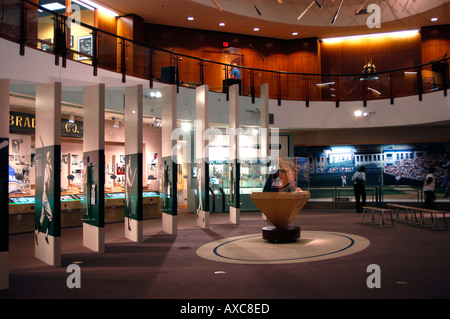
column 254, row 177
column 22, row 209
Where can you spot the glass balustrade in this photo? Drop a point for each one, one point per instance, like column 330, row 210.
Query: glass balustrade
column 34, row 26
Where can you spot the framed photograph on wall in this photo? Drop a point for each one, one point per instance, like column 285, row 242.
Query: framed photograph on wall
column 85, row 47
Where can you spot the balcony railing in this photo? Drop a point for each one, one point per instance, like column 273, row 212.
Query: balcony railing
column 31, row 25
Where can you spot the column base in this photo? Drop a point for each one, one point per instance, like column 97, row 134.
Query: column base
column 94, row 238
column 202, row 219
column 134, row 230
column 48, row 251
column 235, row 215
column 170, row 223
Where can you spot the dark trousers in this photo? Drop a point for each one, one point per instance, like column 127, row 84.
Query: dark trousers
column 429, row 198
column 360, row 196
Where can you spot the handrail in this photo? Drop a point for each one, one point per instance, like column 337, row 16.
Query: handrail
column 60, row 45
column 149, row 46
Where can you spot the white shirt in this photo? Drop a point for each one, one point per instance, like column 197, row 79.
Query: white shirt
column 431, row 186
column 361, row 175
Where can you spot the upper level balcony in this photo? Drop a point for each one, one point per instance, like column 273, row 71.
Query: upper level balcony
column 44, row 46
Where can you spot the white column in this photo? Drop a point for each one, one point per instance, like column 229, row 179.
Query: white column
column 94, row 165
column 201, row 156
column 134, row 223
column 4, row 207
column 169, row 124
column 264, row 131
column 48, row 173
column 235, row 211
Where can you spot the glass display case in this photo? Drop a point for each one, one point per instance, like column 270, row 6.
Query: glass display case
column 255, row 176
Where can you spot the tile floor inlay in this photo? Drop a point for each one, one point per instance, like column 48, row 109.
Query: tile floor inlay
column 312, row 246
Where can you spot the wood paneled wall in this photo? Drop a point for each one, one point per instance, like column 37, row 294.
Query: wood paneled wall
column 257, row 52
column 387, row 53
column 435, row 42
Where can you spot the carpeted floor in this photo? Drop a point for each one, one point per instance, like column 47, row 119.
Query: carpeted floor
column 414, row 263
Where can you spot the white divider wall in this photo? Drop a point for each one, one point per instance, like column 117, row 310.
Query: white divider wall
column 264, row 135
column 169, row 124
column 235, row 211
column 94, row 158
column 48, row 174
column 4, row 207
column 134, row 224
column 201, row 153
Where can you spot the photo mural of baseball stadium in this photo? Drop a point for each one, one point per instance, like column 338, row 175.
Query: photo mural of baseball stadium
column 394, row 171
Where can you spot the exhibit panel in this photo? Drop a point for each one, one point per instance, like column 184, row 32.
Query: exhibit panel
column 395, row 172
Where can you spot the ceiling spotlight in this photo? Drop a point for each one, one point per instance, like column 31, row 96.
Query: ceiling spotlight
column 434, row 19
column 186, row 126
column 190, row 18
column 294, row 33
column 359, row 113
column 255, row 29
column 222, row 24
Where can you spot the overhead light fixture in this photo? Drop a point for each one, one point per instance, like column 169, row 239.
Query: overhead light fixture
column 406, row 33
column 434, row 19
column 359, row 113
column 255, row 29
column 326, row 83
column 294, row 33
column 186, row 126
column 101, row 8
column 222, row 24
column 373, row 90
column 54, row 6
column 83, row 4
column 71, row 119
column 155, row 95
column 190, row 18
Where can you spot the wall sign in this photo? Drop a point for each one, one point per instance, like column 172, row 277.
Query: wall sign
column 26, row 123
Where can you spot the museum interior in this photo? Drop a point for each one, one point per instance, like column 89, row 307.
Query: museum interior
column 209, row 150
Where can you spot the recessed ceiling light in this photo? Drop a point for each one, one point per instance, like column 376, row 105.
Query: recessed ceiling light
column 434, row 19
column 222, row 24
column 190, row 18
column 294, row 33
column 101, row 8
column 53, row 6
column 255, row 29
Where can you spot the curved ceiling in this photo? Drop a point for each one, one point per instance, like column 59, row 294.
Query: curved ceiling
column 280, row 20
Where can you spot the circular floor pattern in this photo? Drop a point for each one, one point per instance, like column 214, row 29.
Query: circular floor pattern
column 312, row 246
